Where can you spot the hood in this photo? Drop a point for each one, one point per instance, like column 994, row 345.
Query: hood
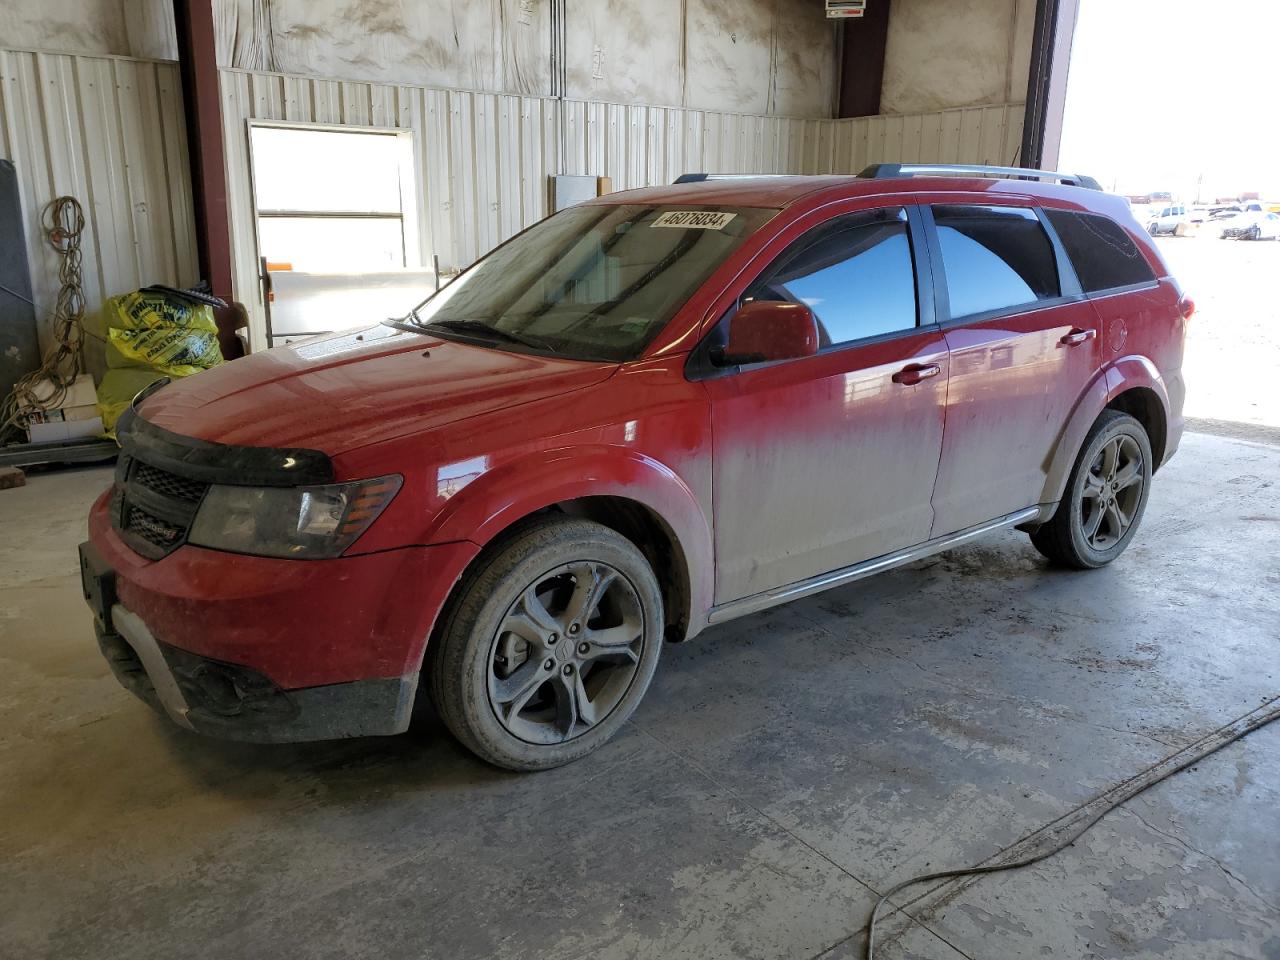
column 349, row 390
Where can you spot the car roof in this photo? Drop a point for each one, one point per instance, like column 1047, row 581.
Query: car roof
column 762, row 191
column 784, row 190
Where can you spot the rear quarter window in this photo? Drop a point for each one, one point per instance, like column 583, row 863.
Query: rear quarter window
column 1104, row 255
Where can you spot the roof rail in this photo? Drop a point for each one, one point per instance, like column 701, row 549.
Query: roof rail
column 885, row 171
column 699, row 177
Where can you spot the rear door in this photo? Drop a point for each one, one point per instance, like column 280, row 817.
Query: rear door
column 1023, row 346
column 1136, row 316
column 828, row 460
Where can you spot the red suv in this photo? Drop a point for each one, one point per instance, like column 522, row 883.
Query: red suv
column 651, row 412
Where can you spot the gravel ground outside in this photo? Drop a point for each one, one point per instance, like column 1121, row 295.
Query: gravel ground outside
column 1233, row 346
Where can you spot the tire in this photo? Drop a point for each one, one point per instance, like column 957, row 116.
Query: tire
column 1153, row 229
column 1088, row 529
column 550, row 645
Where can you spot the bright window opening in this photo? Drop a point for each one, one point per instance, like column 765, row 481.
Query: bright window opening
column 330, row 201
column 337, row 223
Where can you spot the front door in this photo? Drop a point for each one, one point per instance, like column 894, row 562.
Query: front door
column 829, row 460
column 1024, row 347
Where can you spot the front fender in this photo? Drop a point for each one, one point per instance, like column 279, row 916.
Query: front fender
column 500, row 497
column 1112, row 380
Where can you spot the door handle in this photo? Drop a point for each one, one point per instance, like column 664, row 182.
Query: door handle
column 1077, row 336
column 916, row 372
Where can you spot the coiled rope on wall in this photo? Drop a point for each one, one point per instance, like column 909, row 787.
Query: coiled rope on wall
column 63, row 220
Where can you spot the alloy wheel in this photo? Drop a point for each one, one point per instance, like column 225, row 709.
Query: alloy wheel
column 566, row 652
column 1112, row 492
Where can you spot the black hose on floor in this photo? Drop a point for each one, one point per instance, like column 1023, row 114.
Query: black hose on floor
column 1074, row 825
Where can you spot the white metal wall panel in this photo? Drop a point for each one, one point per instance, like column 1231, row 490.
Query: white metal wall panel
column 989, row 135
column 483, row 158
column 108, row 131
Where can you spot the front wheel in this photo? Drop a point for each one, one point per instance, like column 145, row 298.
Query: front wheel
column 1105, row 498
column 550, row 645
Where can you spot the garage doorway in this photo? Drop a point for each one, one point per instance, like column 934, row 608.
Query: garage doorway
column 336, row 223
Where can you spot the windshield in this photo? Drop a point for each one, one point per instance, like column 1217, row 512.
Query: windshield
column 594, row 282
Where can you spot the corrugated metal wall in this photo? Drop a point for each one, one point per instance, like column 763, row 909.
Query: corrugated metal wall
column 110, row 132
column 989, row 135
column 483, row 159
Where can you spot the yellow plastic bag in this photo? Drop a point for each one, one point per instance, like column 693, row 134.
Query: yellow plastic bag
column 118, row 388
column 161, row 331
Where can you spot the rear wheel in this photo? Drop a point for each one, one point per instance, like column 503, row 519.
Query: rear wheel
column 550, row 646
column 1105, row 498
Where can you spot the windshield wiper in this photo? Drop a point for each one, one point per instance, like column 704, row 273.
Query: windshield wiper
column 483, row 329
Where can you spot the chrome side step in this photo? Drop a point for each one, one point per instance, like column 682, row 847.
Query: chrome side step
column 838, row 578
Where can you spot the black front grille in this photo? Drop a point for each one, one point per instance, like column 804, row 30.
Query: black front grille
column 152, row 509
column 168, row 484
column 154, row 530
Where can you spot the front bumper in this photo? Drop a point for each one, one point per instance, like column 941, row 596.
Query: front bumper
column 262, row 649
column 303, row 623
column 235, row 703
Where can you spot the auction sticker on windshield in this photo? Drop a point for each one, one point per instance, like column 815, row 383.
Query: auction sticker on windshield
column 694, row 219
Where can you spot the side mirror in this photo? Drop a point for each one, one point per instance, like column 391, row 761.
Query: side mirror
column 765, row 330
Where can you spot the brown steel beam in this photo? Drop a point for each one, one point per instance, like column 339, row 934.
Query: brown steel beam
column 1047, row 83
column 863, row 42
column 197, row 59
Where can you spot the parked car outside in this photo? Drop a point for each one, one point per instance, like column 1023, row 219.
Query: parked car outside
column 1167, row 219
column 655, row 411
column 1253, row 225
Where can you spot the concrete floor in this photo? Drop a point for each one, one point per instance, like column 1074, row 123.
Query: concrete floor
column 782, row 770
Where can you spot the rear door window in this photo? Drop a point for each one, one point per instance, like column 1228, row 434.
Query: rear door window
column 996, row 259
column 1104, row 255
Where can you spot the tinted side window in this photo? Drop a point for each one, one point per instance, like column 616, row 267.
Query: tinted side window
column 1104, row 255
column 855, row 274
column 995, row 258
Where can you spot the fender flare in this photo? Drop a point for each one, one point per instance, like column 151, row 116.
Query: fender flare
column 1115, row 378
column 501, row 497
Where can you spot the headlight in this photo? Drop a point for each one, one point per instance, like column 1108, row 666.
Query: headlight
column 309, row 523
